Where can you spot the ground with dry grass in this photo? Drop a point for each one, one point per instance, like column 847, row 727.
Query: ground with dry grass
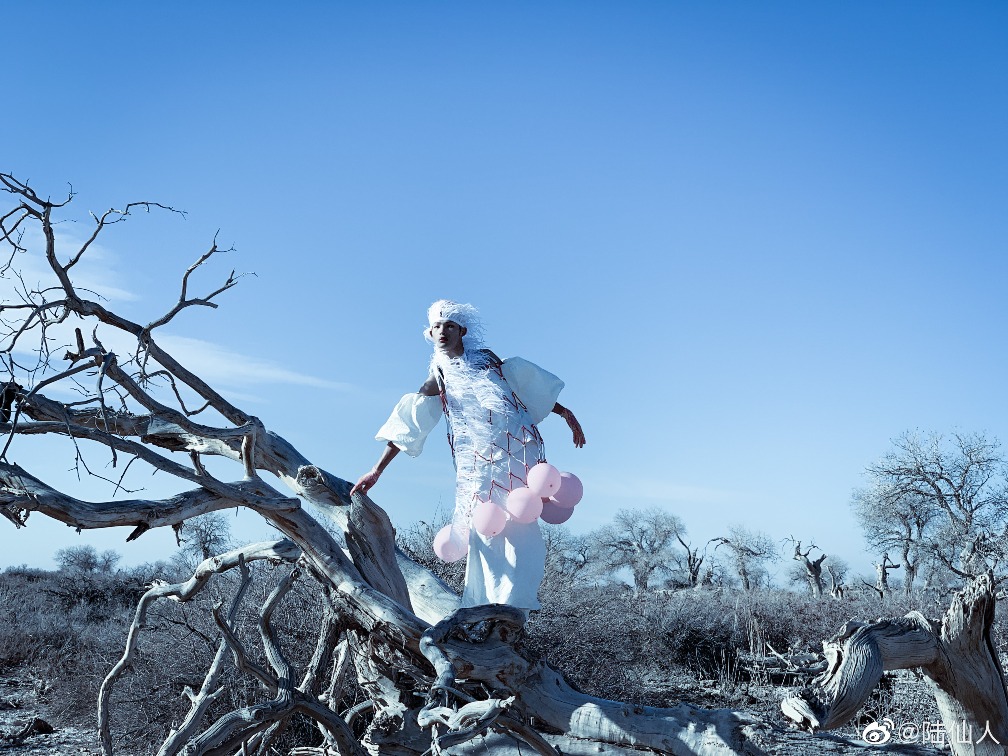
column 60, row 633
column 26, row 728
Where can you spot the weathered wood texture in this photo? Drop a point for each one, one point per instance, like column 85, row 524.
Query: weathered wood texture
column 956, row 654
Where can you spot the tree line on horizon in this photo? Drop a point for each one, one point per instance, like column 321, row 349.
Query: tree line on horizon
column 938, row 504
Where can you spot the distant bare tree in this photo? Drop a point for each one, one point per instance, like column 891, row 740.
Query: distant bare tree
column 812, row 568
column 900, row 521
column 641, row 540
column 108, row 560
column 86, row 559
column 882, row 570
column 691, row 559
column 205, row 536
column 750, row 551
column 568, row 556
column 78, row 559
column 936, row 495
column 837, row 569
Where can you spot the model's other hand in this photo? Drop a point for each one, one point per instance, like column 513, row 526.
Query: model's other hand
column 575, row 426
column 366, row 482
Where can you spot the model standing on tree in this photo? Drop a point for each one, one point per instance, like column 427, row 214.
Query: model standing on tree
column 492, row 407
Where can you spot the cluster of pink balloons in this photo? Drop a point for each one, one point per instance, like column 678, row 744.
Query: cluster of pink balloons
column 548, row 493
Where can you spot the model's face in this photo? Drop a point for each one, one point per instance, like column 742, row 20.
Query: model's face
column 447, row 336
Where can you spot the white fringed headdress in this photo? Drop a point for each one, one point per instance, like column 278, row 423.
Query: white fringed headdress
column 467, row 373
column 465, row 315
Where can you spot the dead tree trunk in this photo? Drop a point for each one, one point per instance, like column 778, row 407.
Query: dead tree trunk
column 813, row 568
column 882, row 575
column 911, row 567
column 956, row 654
column 836, row 584
column 694, row 561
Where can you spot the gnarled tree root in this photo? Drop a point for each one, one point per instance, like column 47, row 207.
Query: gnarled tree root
column 476, row 646
column 955, row 654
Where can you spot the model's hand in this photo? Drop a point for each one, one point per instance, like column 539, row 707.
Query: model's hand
column 366, row 482
column 575, row 426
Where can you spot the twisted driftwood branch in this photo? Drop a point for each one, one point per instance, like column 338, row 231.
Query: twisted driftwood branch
column 209, row 691
column 956, row 655
column 277, row 551
column 260, row 723
column 228, row 732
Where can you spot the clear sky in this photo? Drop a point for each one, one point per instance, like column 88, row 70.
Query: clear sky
column 757, row 240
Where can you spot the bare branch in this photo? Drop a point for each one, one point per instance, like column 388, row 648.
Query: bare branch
column 204, row 301
column 209, row 692
column 19, row 490
column 111, row 216
column 277, row 551
column 230, row 730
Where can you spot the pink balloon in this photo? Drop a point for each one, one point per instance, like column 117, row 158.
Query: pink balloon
column 544, row 479
column 554, row 514
column 570, row 491
column 449, row 548
column 488, row 518
column 524, row 505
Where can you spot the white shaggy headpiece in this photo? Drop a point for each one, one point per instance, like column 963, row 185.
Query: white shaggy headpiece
column 465, row 315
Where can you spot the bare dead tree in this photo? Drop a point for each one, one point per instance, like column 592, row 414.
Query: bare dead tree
column 692, row 559
column 643, row 541
column 205, row 536
column 434, row 675
column 836, row 583
column 813, row 567
column 938, row 494
column 86, row 559
column 894, row 518
column 882, row 570
column 568, row 558
column 749, row 552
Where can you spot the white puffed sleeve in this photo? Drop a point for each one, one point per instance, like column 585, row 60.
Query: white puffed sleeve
column 538, row 389
column 412, row 420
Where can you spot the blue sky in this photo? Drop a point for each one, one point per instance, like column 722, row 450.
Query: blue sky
column 758, row 241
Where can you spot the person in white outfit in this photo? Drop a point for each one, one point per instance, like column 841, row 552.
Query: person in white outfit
column 492, row 407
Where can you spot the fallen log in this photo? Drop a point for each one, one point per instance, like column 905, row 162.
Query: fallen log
column 955, row 654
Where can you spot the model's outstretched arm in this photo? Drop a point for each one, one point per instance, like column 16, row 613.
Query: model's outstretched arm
column 572, row 422
column 368, row 479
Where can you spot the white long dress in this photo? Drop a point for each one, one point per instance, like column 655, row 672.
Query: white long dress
column 494, row 443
